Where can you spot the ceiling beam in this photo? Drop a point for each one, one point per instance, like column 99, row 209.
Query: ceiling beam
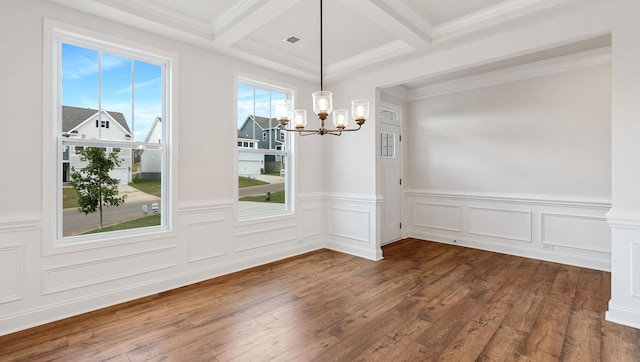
column 246, row 17
column 390, row 16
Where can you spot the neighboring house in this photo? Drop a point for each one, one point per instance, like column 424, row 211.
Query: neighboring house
column 151, row 161
column 268, row 131
column 249, row 163
column 89, row 123
column 270, row 134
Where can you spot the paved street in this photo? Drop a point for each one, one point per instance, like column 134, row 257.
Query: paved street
column 76, row 222
column 261, row 189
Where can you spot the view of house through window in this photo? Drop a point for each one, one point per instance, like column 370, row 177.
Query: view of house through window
column 263, row 152
column 111, row 140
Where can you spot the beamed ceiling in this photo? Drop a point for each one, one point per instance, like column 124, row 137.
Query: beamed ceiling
column 359, row 35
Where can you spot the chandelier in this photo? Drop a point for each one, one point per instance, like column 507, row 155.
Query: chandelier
column 322, row 107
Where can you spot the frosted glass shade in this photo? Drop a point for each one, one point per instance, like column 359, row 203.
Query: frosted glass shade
column 341, row 118
column 360, row 109
column 300, row 118
column 322, row 102
column 283, row 109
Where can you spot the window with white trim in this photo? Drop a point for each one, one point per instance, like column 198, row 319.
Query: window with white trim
column 111, row 129
column 263, row 184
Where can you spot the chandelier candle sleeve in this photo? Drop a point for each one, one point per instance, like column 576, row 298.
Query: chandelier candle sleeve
column 340, row 118
column 360, row 110
column 283, row 110
column 322, row 103
column 300, row 118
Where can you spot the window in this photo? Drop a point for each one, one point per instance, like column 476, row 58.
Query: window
column 103, row 123
column 263, row 186
column 387, row 145
column 110, row 100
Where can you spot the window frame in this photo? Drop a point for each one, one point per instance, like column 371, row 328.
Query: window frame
column 289, row 152
column 56, row 33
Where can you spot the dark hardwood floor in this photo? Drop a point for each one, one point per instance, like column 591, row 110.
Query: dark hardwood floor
column 424, row 302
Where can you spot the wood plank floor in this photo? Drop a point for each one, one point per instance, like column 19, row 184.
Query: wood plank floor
column 424, row 302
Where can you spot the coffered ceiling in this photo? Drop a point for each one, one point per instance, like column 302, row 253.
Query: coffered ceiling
column 359, row 35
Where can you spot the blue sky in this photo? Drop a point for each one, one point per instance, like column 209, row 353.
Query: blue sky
column 252, row 100
column 80, row 74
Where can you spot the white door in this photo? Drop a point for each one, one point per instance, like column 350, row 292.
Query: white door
column 390, row 173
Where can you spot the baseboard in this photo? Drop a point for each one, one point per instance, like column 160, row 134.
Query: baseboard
column 623, row 315
column 370, row 254
column 584, row 262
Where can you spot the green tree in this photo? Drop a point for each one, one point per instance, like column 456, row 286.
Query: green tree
column 95, row 188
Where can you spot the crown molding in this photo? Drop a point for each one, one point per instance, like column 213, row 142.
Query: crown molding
column 399, row 92
column 556, row 65
column 237, row 12
column 406, row 13
column 390, row 50
column 142, row 14
column 491, row 16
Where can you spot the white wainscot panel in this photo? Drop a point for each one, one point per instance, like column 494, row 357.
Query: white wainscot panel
column 500, row 223
column 576, row 231
column 207, row 239
column 11, row 273
column 351, row 224
column 437, row 216
column 80, row 275
column 635, row 265
column 265, row 236
column 311, row 227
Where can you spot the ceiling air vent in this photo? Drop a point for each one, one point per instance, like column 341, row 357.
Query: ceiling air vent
column 292, row 39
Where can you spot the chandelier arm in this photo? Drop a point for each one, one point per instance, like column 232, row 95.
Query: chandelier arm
column 303, row 130
column 325, row 130
column 351, row 129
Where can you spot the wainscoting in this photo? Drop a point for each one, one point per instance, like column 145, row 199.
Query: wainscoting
column 567, row 230
column 352, row 227
column 37, row 287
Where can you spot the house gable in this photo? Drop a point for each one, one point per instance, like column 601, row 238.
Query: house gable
column 155, row 132
column 75, row 119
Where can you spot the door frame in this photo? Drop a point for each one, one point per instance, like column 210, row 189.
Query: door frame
column 398, row 109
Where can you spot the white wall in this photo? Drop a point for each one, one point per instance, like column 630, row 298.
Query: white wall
column 624, row 217
column 522, row 167
column 38, row 285
column 549, row 135
column 352, row 205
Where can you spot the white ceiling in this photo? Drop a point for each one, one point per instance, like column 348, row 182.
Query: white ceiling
column 359, row 35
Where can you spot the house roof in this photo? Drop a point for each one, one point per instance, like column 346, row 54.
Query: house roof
column 243, row 135
column 263, row 122
column 156, row 122
column 72, row 117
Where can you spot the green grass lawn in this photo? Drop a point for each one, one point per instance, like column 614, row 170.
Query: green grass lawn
column 277, row 197
column 248, row 182
column 69, row 197
column 151, row 220
column 152, row 187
